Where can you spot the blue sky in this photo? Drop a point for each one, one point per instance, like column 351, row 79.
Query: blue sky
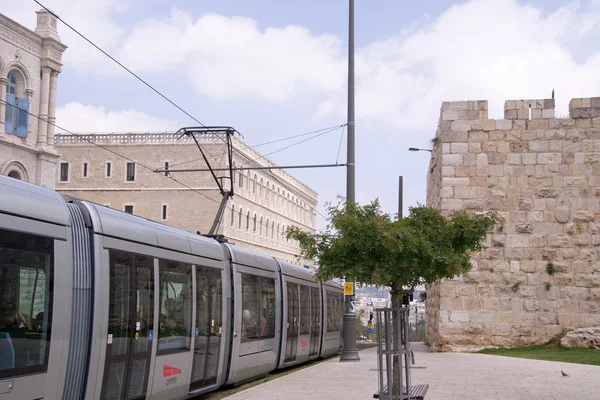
column 277, row 68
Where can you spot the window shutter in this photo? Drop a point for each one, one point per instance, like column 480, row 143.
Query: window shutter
column 9, row 126
column 22, row 117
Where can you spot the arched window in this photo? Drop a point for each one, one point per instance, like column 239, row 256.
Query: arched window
column 240, row 219
column 278, row 231
column 273, row 230
column 14, row 174
column 15, row 122
column 241, row 177
column 282, row 232
column 253, row 186
column 248, row 220
column 232, row 214
column 267, row 229
column 260, row 227
column 254, row 227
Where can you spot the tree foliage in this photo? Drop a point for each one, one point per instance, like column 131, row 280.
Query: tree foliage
column 366, row 245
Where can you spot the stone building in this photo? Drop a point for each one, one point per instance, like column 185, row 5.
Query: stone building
column 265, row 202
column 540, row 273
column 30, row 62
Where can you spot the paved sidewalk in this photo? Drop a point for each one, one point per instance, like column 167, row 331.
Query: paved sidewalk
column 450, row 376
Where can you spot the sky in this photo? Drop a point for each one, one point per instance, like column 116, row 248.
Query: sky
column 273, row 69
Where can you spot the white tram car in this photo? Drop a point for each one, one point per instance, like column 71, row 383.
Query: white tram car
column 98, row 304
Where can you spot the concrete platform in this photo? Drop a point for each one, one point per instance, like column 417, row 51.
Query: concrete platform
column 450, row 376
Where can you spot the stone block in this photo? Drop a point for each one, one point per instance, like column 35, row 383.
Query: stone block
column 549, row 158
column 452, row 159
column 513, row 158
column 445, row 148
column 503, row 124
column 574, row 103
column 455, row 136
column 459, row 316
column 539, row 146
column 511, row 114
column 489, row 124
column 458, row 147
column 517, row 241
column 449, row 181
column 461, row 125
column 452, row 204
column 536, row 114
column 558, row 241
column 509, row 105
column 457, row 105
column 449, row 115
column 515, row 266
column 448, row 171
column 548, row 113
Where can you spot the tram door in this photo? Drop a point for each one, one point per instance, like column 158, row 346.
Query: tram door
column 315, row 322
column 293, row 309
column 209, row 320
column 130, row 330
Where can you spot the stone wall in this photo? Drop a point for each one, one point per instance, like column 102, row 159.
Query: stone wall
column 539, row 273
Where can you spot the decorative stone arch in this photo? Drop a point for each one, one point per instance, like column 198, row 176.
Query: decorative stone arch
column 3, row 71
column 16, row 170
column 22, row 75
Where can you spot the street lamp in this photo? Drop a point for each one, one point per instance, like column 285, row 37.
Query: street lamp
column 415, row 149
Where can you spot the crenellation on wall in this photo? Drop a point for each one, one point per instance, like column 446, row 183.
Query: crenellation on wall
column 539, row 273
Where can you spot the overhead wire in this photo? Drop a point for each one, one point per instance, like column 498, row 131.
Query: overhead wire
column 273, row 141
column 340, row 146
column 147, row 84
column 116, row 153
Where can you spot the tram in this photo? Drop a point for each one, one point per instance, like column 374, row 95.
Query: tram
column 100, row 304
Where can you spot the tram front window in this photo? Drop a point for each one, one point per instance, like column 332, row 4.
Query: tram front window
column 25, row 303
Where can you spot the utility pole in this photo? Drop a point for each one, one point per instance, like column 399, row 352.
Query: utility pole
column 350, row 352
column 400, row 198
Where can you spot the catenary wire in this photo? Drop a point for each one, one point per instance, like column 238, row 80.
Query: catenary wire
column 273, row 141
column 292, row 145
column 120, row 155
column 122, row 66
column 151, row 87
column 340, row 146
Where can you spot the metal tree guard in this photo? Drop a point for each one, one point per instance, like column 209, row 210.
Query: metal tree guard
column 387, row 352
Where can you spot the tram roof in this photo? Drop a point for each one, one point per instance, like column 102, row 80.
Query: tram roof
column 32, row 201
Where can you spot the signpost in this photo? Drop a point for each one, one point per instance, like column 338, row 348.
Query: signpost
column 348, row 288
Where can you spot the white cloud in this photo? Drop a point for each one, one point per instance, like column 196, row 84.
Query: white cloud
column 484, row 49
column 93, row 18
column 230, row 57
column 79, row 118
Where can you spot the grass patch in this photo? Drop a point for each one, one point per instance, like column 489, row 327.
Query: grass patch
column 550, row 353
column 220, row 394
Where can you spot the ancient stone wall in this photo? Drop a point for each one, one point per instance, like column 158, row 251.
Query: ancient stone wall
column 540, row 272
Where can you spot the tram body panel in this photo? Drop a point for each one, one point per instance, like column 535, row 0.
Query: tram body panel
column 152, row 357
column 333, row 314
column 301, row 327
column 256, row 326
column 34, row 291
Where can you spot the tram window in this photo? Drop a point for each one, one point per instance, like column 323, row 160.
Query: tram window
column 258, row 308
column 176, row 298
column 304, row 310
column 249, row 307
column 334, row 311
column 267, row 308
column 26, row 273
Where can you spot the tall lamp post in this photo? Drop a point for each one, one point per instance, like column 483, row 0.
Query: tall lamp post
column 350, row 352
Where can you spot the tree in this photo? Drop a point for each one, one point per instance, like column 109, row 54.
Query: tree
column 366, row 245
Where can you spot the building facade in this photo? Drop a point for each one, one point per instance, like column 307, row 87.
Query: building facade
column 539, row 274
column 116, row 170
column 30, row 62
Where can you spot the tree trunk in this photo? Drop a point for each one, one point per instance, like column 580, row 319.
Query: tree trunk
column 396, row 293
